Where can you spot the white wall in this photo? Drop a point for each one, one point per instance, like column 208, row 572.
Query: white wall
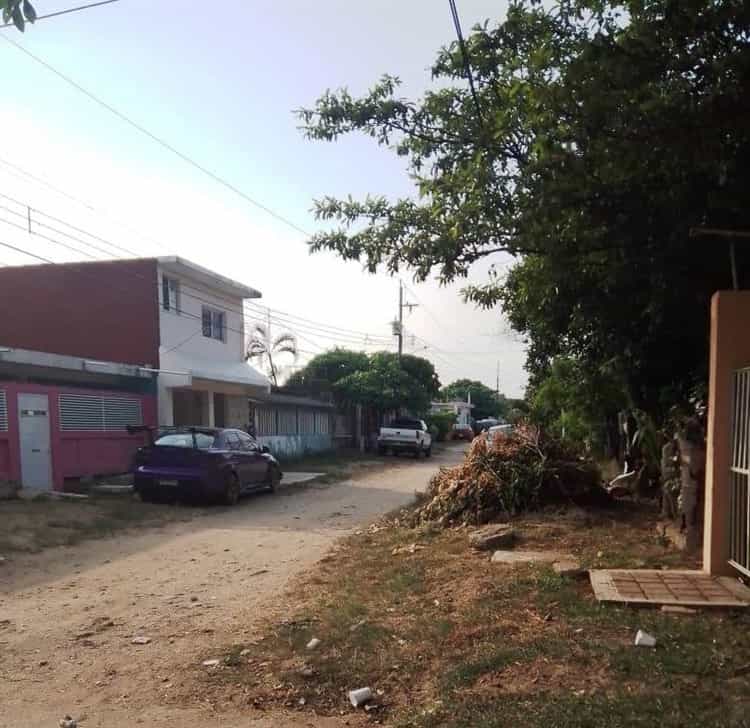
column 183, row 329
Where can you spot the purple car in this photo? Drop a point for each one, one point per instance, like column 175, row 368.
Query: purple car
column 193, row 462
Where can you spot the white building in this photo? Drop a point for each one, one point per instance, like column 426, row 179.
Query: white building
column 461, row 409
column 204, row 378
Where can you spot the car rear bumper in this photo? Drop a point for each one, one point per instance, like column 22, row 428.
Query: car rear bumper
column 399, row 445
column 182, row 483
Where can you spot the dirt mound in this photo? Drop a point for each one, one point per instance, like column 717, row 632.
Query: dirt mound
column 511, row 474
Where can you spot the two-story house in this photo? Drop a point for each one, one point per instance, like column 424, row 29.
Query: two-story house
column 87, row 348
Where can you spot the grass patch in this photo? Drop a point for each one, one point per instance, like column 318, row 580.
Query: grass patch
column 448, row 639
column 34, row 525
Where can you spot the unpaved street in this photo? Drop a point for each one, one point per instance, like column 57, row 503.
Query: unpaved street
column 68, row 615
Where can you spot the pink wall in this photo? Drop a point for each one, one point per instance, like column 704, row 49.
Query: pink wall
column 74, row 454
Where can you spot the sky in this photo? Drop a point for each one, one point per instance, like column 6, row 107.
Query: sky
column 221, row 88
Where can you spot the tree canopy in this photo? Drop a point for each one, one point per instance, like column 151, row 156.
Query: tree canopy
column 380, row 380
column 605, row 132
column 485, row 400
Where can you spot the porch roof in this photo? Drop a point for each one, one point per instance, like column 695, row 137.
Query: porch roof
column 178, row 365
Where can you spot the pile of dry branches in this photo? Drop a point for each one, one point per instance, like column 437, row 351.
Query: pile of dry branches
column 511, row 474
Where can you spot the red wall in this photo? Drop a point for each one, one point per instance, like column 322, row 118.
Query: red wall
column 74, row 454
column 106, row 310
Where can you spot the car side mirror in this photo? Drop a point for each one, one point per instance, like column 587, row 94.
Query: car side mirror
column 265, row 449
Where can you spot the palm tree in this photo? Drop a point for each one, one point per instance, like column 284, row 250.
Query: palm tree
column 265, row 349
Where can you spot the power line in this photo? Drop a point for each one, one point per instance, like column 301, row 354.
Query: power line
column 334, row 333
column 465, row 56
column 65, row 12
column 162, row 142
column 337, row 339
column 83, row 203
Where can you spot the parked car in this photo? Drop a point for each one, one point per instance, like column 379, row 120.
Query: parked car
column 202, row 462
column 463, row 432
column 405, row 435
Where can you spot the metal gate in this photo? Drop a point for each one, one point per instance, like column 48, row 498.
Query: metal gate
column 739, row 509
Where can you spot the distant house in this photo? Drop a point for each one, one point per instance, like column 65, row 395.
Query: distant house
column 461, row 409
column 88, row 348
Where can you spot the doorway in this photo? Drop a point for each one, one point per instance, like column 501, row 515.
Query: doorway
column 34, row 439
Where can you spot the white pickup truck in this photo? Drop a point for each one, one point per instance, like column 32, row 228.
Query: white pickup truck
column 405, row 434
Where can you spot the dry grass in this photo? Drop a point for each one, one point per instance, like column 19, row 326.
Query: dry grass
column 448, row 639
column 45, row 522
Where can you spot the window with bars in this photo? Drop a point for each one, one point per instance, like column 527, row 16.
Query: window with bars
column 3, row 411
column 96, row 413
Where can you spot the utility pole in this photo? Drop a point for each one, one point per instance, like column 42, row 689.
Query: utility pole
column 497, row 382
column 398, row 326
column 400, row 318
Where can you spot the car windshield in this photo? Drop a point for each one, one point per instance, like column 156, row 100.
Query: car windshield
column 203, row 440
column 406, row 424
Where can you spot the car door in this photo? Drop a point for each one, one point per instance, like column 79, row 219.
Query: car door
column 234, row 447
column 257, row 465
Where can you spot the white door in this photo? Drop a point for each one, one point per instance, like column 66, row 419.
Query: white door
column 34, row 436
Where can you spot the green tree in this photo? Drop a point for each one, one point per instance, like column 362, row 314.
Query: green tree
column 19, row 12
column 324, row 370
column 485, row 400
column 605, row 132
column 391, row 384
column 578, row 404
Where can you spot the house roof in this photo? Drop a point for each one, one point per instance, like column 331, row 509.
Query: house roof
column 180, row 266
column 292, row 400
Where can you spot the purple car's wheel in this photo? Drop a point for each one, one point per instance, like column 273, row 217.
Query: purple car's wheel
column 274, row 478
column 232, row 490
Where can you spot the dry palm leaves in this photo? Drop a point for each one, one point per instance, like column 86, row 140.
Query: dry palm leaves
column 513, row 473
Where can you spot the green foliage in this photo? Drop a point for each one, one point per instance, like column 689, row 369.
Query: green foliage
column 575, row 403
column 379, row 380
column 608, row 130
column 19, row 12
column 324, row 370
column 442, row 422
column 390, row 384
column 485, row 400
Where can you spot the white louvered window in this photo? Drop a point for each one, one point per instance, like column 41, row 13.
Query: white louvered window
column 95, row 413
column 3, row 411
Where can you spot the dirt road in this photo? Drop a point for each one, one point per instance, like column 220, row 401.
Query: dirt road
column 68, row 616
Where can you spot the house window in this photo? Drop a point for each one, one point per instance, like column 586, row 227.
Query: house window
column 170, row 294
column 213, row 324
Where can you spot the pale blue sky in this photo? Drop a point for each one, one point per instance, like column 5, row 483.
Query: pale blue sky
column 221, row 88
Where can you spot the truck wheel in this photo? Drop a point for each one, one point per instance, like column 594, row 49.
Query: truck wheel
column 428, row 452
column 382, row 451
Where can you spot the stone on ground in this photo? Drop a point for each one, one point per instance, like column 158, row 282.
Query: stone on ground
column 499, row 535
column 529, row 557
column 568, row 568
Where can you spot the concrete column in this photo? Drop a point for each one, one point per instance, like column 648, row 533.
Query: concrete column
column 165, row 414
column 208, row 407
column 730, row 350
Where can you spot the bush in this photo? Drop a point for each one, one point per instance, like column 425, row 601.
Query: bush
column 442, row 422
